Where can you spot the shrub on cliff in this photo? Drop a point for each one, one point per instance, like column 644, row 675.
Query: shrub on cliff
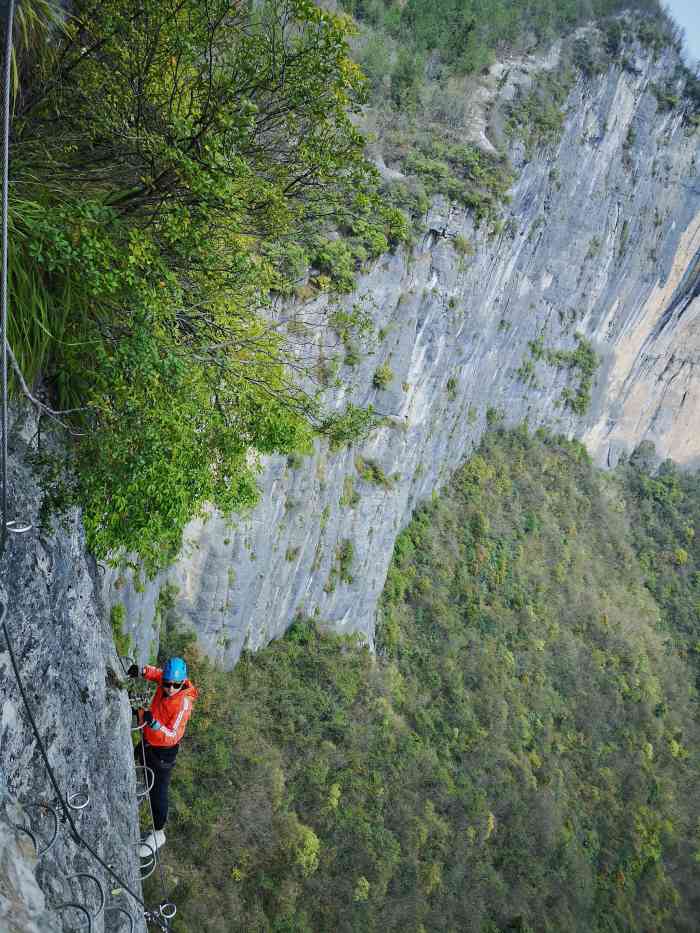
column 164, row 156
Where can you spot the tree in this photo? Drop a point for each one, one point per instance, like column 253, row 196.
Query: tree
column 165, row 157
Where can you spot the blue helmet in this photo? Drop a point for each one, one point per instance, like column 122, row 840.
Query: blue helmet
column 175, row 669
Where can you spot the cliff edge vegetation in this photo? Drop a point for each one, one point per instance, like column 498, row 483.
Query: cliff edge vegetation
column 520, row 754
column 180, row 172
column 172, row 166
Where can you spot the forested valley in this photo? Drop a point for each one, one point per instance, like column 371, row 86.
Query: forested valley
column 521, row 753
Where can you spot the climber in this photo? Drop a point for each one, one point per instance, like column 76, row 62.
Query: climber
column 164, row 725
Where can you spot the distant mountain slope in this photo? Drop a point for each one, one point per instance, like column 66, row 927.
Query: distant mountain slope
column 521, row 754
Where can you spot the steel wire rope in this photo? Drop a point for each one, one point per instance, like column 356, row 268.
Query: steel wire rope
column 162, row 918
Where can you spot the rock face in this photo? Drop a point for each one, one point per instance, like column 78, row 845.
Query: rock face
column 68, row 667
column 601, row 241
column 22, row 903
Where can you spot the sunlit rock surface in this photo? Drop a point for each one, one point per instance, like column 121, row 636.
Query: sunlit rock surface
column 601, row 239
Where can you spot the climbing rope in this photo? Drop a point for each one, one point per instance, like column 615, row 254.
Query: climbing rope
column 166, row 911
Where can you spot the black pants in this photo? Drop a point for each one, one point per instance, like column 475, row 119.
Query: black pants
column 162, row 761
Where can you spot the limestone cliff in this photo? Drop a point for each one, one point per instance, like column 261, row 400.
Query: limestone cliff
column 600, row 246
column 68, row 666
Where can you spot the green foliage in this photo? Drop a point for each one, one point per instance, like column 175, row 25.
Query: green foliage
column 345, row 556
column 665, row 96
column 536, row 116
column 665, row 516
column 465, row 34
column 336, row 263
column 371, row 472
column 419, row 57
column 593, row 247
column 525, row 724
column 351, row 425
column 122, row 641
column 340, row 570
column 494, row 416
column 582, row 362
column 462, row 245
column 194, row 153
column 526, row 372
column 461, row 172
column 624, row 237
column 406, row 77
column 383, row 376
column 350, row 497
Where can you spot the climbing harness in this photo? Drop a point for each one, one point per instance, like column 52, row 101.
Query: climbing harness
column 64, row 804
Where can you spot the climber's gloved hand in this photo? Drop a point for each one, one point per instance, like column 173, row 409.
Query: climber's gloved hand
column 150, row 721
column 133, row 671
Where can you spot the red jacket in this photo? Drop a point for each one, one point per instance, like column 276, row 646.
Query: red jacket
column 171, row 712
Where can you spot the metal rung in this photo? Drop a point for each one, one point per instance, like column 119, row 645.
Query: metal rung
column 142, row 700
column 77, row 907
column 148, row 864
column 40, row 805
column 83, row 874
column 120, row 910
column 16, row 527
column 76, row 802
column 147, row 788
column 147, row 870
column 168, row 910
column 137, row 728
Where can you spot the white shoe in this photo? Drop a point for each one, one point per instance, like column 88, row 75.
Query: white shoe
column 151, row 843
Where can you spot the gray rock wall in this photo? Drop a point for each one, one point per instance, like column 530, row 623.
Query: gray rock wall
column 66, row 656
column 601, row 239
column 22, row 903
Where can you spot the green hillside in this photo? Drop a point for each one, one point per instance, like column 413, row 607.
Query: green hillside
column 520, row 753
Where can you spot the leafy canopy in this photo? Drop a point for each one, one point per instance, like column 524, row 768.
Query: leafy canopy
column 165, row 158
